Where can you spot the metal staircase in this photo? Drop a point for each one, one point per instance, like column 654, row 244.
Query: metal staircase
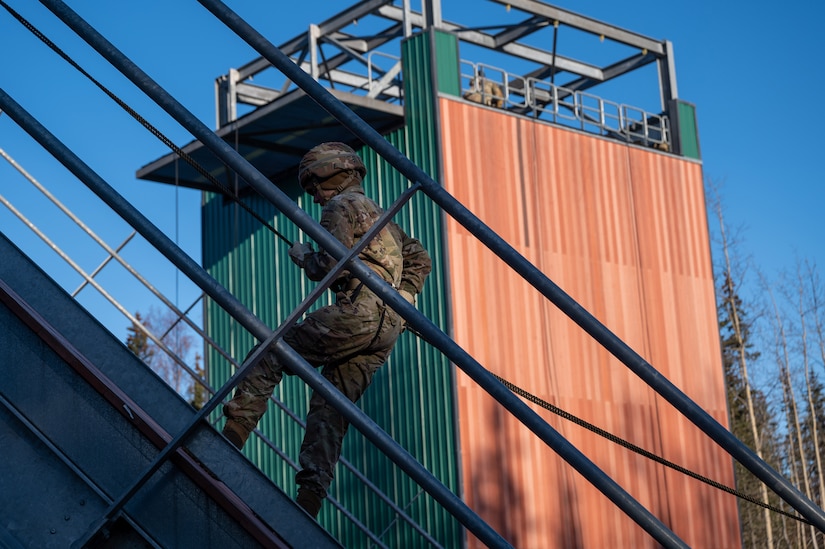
column 81, row 416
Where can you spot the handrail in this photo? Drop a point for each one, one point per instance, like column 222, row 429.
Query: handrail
column 89, row 279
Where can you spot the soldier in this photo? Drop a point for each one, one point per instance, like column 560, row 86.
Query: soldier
column 351, row 339
column 487, row 93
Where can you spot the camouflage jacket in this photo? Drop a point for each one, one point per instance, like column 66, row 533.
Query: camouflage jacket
column 396, row 257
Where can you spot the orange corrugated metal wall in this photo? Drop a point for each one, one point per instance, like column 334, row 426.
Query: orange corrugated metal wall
column 623, row 230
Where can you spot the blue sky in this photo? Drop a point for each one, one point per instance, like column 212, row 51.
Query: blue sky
column 752, row 69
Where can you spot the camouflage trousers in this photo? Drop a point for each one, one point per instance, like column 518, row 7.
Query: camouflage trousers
column 350, row 340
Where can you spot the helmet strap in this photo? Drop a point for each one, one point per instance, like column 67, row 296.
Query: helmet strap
column 342, row 180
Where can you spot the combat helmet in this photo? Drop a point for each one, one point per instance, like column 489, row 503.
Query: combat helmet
column 322, row 163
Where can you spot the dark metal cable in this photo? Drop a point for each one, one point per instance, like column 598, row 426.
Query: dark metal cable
column 145, row 123
column 641, row 451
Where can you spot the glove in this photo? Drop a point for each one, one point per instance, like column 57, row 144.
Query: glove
column 299, row 252
column 408, row 296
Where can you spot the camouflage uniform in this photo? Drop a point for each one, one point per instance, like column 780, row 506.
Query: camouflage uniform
column 488, row 93
column 350, row 339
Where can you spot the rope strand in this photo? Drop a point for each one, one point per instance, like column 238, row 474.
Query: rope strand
column 641, row 451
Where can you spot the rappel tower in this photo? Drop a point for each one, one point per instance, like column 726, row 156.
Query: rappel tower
column 551, row 152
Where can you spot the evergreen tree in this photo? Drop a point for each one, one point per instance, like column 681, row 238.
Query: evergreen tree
column 746, row 404
column 197, row 391
column 808, row 441
column 138, row 342
column 167, row 352
column 818, row 411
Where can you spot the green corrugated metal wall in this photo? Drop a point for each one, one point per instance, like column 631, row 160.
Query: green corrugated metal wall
column 412, row 396
column 252, row 263
column 688, row 137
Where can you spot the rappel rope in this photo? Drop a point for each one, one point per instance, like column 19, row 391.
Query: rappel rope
column 515, row 389
column 632, row 447
column 146, row 124
column 641, row 451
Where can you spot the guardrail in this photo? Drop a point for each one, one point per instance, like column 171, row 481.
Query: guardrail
column 495, row 87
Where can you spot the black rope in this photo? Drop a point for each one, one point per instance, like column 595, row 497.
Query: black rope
column 146, row 124
column 641, row 451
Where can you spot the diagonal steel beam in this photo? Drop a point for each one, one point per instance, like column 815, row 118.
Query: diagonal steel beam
column 587, row 24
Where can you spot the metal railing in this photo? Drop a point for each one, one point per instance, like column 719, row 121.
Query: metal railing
column 375, row 75
column 186, row 376
column 493, row 86
column 382, row 82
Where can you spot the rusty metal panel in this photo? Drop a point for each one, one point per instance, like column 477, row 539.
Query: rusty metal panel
column 623, row 230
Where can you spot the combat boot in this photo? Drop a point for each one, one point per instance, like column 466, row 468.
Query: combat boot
column 309, row 501
column 235, row 433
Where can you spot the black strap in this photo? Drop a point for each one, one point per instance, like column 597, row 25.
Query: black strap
column 354, row 295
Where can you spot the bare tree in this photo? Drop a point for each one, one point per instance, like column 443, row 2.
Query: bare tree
column 737, row 343
column 817, row 312
column 173, row 353
column 804, row 295
column 796, row 441
column 799, row 535
column 793, row 386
